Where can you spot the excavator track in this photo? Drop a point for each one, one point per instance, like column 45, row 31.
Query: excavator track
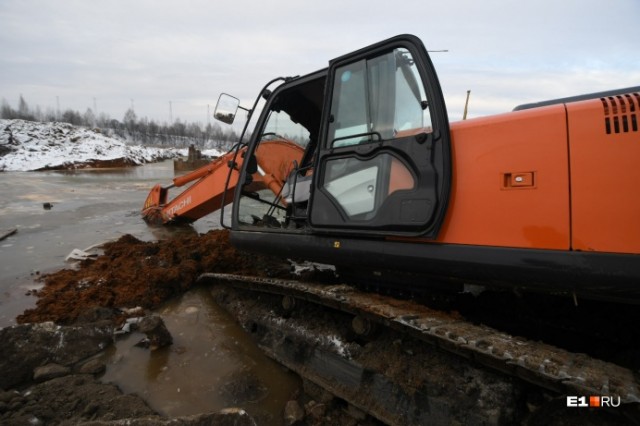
column 544, row 366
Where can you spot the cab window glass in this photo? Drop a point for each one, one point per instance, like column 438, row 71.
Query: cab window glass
column 411, row 107
column 360, row 188
column 378, row 99
column 261, row 205
column 350, row 105
column 280, row 126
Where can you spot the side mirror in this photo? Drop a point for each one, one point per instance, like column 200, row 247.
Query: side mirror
column 226, row 108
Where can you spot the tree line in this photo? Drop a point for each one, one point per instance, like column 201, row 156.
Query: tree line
column 132, row 128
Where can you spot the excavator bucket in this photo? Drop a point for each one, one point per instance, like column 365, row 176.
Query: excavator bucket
column 151, row 212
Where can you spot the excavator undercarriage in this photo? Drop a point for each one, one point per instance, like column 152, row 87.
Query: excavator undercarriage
column 403, row 363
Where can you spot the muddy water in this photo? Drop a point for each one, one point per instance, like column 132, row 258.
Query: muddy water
column 212, row 363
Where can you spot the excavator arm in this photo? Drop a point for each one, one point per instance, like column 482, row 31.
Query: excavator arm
column 209, row 190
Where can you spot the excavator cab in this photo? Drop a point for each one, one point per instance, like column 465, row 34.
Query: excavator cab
column 361, row 148
column 374, row 137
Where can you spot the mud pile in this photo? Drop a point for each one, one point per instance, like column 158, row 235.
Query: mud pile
column 134, row 273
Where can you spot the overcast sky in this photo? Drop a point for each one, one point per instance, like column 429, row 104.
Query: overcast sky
column 118, row 53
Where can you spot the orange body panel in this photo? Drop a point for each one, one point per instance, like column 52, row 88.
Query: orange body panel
column 510, row 185
column 605, row 174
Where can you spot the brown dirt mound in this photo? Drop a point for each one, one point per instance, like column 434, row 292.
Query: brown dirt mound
column 134, row 273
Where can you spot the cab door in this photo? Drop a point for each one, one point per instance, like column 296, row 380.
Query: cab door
column 384, row 157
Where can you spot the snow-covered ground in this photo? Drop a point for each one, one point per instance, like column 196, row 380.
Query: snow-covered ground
column 27, row 145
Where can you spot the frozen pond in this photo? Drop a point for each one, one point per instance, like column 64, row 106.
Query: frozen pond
column 89, row 207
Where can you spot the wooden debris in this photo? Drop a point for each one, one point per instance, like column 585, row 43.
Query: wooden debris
column 4, row 233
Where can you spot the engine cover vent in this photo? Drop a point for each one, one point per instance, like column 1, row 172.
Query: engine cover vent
column 621, row 113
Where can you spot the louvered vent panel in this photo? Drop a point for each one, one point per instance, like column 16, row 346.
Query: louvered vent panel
column 621, row 113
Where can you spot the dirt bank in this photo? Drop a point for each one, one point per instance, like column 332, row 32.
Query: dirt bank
column 134, row 273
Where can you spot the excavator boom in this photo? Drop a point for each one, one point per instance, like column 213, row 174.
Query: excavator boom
column 207, row 193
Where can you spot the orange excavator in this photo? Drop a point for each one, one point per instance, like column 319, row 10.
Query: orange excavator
column 357, row 165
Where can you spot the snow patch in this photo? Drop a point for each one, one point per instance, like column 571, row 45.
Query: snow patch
column 306, row 266
column 28, row 145
column 332, row 341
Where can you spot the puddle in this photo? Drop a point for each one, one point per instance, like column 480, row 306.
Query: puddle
column 212, row 364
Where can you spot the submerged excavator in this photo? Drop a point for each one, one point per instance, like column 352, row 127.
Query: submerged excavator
column 358, row 166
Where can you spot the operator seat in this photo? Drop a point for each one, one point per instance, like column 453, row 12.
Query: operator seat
column 297, row 188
